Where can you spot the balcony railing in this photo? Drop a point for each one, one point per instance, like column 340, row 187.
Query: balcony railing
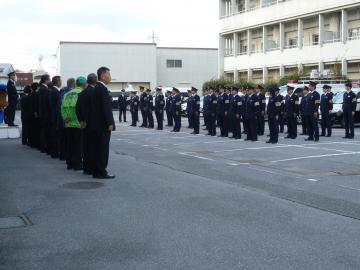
column 291, row 46
column 355, row 37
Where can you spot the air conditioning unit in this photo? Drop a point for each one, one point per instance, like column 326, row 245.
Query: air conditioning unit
column 314, row 74
column 326, row 74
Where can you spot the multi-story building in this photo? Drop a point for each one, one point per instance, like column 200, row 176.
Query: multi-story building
column 264, row 40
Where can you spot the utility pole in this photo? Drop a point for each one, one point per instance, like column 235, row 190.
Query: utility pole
column 153, row 37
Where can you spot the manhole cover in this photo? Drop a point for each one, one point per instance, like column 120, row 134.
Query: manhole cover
column 83, row 185
column 14, row 222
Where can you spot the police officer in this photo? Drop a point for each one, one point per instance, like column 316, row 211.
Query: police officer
column 262, row 107
column 134, row 108
column 122, row 105
column 312, row 112
column 304, row 123
column 282, row 112
column 195, row 111
column 245, row 97
column 44, row 112
column 143, row 107
column 251, row 114
column 190, row 109
column 150, row 108
column 159, row 108
column 169, row 117
column 273, row 111
column 54, row 93
column 176, row 109
column 25, row 103
column 326, row 107
column 236, row 108
column 349, row 109
column 211, row 111
column 291, row 112
column 223, row 112
column 9, row 113
column 206, row 108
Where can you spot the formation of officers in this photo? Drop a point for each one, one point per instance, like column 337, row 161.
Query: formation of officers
column 73, row 123
column 227, row 109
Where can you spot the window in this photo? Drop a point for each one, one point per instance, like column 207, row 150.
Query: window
column 174, row 63
column 315, row 39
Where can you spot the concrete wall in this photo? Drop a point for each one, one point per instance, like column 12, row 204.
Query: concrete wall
column 129, row 63
column 198, row 66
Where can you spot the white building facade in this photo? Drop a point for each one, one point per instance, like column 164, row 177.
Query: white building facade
column 264, row 40
column 138, row 64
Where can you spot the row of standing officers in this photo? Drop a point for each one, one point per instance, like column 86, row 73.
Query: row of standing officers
column 226, row 108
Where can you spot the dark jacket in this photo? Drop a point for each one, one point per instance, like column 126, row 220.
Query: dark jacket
column 101, row 109
column 12, row 93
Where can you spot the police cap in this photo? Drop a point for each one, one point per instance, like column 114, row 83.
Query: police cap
column 348, row 84
column 11, row 74
column 312, row 83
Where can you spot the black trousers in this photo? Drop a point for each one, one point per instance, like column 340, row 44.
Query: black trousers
column 177, row 121
column 25, row 134
column 252, row 129
column 150, row 119
column 88, row 152
column 169, row 117
column 133, row 118
column 160, row 119
column 44, row 136
column 325, row 123
column 122, row 112
column 281, row 123
column 190, row 120
column 292, row 126
column 53, row 141
column 196, row 122
column 245, row 125
column 274, row 129
column 144, row 118
column 211, row 124
column 261, row 124
column 9, row 114
column 313, row 126
column 236, row 127
column 63, row 148
column 224, row 125
column 101, row 142
column 74, row 139
column 349, row 124
column 304, row 124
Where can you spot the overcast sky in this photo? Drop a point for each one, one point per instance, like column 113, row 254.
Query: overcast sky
column 30, row 28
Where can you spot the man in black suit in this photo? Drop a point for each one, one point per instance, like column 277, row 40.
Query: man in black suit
column 83, row 112
column 12, row 100
column 54, row 92
column 44, row 111
column 122, row 105
column 102, row 124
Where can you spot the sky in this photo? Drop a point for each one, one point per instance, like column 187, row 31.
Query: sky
column 33, row 28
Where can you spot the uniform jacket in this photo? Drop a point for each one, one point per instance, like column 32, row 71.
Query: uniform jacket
column 312, row 103
column 122, row 102
column 273, row 107
column 223, row 104
column 53, row 103
column 143, row 100
column 12, row 93
column 252, row 107
column 262, row 101
column 83, row 106
column 134, row 104
column 291, row 105
column 44, row 109
column 349, row 102
column 159, row 103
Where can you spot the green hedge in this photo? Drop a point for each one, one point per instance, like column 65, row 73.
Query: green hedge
column 241, row 84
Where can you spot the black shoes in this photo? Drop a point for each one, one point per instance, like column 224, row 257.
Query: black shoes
column 106, row 176
column 309, row 139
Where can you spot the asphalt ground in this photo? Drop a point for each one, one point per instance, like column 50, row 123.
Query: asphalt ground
column 183, row 201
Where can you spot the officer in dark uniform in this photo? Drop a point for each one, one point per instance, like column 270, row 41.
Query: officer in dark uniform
column 312, row 112
column 261, row 116
column 53, row 141
column 9, row 112
column 134, row 107
column 169, row 117
column 122, row 105
column 273, row 111
column 176, row 109
column 190, row 109
column 143, row 107
column 34, row 129
column 211, row 111
column 223, row 112
column 291, row 112
column 206, row 108
column 159, row 108
column 326, row 107
column 304, row 122
column 236, row 108
column 150, row 108
column 245, row 97
column 228, row 91
column 282, row 112
column 251, row 114
column 349, row 109
column 196, row 110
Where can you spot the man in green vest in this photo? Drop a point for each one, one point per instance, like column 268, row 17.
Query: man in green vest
column 73, row 131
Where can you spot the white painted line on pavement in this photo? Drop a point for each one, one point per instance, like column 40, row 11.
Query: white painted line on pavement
column 315, row 156
column 195, row 156
column 312, row 180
